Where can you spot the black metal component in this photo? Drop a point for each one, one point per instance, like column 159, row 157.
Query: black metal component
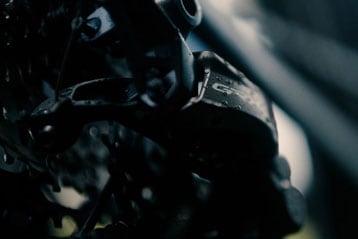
column 185, row 14
column 142, row 40
column 228, row 104
column 96, row 25
column 188, row 141
column 226, row 133
column 286, row 209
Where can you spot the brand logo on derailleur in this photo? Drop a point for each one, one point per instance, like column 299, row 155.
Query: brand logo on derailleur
column 226, row 89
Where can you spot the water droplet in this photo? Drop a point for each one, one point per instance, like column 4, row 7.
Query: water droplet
column 8, row 3
column 5, row 157
column 48, row 128
column 133, row 204
column 30, row 134
column 238, row 107
column 5, row 113
column 19, row 71
column 7, row 75
column 8, row 159
column 93, row 131
column 147, row 193
column 128, row 177
column 121, row 133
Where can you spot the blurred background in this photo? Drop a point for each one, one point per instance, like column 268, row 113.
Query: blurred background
column 304, row 54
